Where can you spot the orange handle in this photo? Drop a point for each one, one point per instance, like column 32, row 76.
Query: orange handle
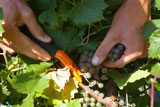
column 67, row 61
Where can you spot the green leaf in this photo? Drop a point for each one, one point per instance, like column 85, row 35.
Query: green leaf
column 86, row 12
column 1, row 19
column 155, row 68
column 28, row 101
column 26, row 85
column 72, row 103
column 123, row 79
column 49, row 17
column 67, row 39
column 36, row 69
column 150, row 27
column 64, row 94
column 154, row 48
column 157, row 4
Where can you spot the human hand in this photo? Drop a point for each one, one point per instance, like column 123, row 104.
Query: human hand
column 17, row 13
column 125, row 29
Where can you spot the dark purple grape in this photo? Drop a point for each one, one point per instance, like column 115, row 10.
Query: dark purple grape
column 83, row 68
column 112, row 50
column 88, row 65
column 115, row 57
column 120, row 47
column 117, row 51
column 83, row 59
column 90, row 54
column 110, row 55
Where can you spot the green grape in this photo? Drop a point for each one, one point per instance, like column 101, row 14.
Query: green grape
column 92, row 104
column 84, row 105
column 87, row 75
column 92, row 83
column 121, row 102
column 100, row 85
column 93, row 99
column 85, row 94
column 101, row 95
column 103, row 77
column 133, row 105
column 87, row 99
column 96, row 92
column 98, row 104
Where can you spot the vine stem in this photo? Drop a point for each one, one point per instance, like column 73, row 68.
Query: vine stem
column 5, row 58
column 152, row 89
column 106, row 101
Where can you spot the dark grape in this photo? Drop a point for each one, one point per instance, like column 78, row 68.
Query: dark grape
column 117, row 51
column 84, row 69
column 104, row 70
column 120, row 47
column 115, row 57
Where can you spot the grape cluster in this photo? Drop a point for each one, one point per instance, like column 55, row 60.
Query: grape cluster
column 122, row 102
column 96, row 77
column 116, row 52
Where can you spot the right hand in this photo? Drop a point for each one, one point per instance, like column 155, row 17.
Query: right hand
column 17, row 13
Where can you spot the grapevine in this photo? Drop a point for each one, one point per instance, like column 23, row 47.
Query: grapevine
column 78, row 27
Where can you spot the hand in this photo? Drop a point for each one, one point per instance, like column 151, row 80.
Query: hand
column 17, row 13
column 125, row 29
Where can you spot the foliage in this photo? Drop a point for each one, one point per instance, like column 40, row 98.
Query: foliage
column 75, row 26
column 1, row 18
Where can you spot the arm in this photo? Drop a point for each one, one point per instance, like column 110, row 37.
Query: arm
column 17, row 13
column 126, row 29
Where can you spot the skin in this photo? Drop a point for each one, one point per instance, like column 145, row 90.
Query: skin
column 125, row 29
column 17, row 13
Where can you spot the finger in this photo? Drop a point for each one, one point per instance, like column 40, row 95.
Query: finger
column 24, row 45
column 125, row 59
column 7, row 49
column 29, row 19
column 104, row 48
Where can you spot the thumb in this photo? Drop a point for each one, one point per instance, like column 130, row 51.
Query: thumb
column 104, row 48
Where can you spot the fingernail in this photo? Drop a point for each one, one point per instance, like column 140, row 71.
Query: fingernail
column 46, row 58
column 95, row 60
column 47, row 38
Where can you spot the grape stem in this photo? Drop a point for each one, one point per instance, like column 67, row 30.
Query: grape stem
column 107, row 102
column 152, row 89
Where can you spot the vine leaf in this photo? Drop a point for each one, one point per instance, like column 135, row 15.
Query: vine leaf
column 67, row 39
column 67, row 93
column 72, row 103
column 86, row 12
column 60, row 76
column 155, row 68
column 49, row 17
column 157, row 4
column 123, row 79
column 150, row 27
column 1, row 19
column 154, row 47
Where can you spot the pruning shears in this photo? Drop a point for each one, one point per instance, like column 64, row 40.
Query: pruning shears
column 55, row 53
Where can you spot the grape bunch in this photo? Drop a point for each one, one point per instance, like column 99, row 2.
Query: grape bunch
column 122, row 102
column 96, row 77
column 116, row 52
